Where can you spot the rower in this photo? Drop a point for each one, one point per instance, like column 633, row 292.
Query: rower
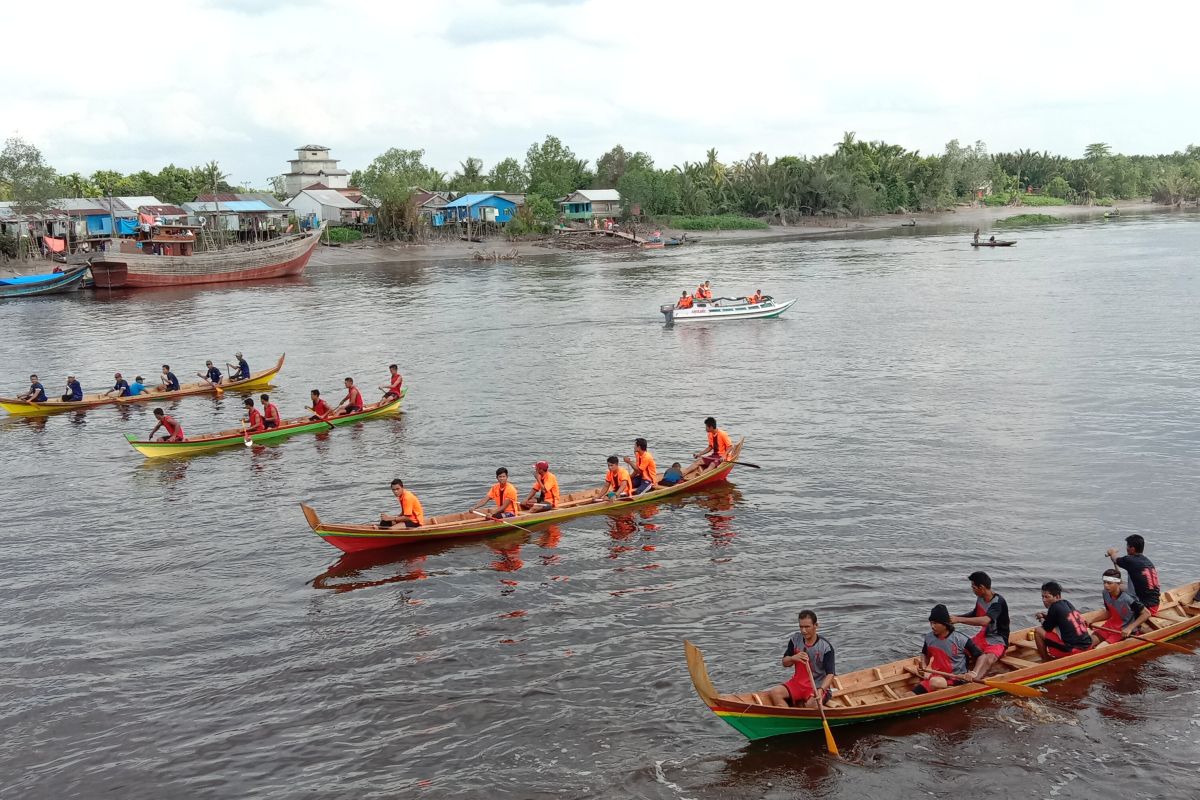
column 138, row 386
column 74, row 392
column 544, row 494
column 352, row 403
column 120, row 386
column 212, row 374
column 243, row 369
column 645, row 471
column 990, row 615
column 36, row 393
column 672, row 476
column 411, row 514
column 945, row 650
column 684, row 300
column 168, row 381
column 1125, row 612
column 172, row 428
column 1142, row 574
column 319, row 407
column 503, row 494
column 719, row 444
column 270, row 412
column 976, row 240
column 254, row 420
column 1063, row 631
column 992, row 238
column 394, row 384
column 617, row 483
column 806, row 650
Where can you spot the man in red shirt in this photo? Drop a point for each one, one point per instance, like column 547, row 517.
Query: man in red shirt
column 319, row 407
column 173, row 429
column 352, row 403
column 254, row 420
column 394, row 384
column 270, row 412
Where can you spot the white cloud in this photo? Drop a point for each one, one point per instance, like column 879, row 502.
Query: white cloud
column 246, row 82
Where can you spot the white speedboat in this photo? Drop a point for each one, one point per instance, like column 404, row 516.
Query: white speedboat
column 726, row 308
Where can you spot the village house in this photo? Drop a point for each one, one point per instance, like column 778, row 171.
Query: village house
column 328, row 205
column 478, row 207
column 312, row 165
column 589, row 204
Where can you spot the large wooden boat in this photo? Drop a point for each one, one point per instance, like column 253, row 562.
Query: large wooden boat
column 178, row 264
column 885, row 692
column 27, row 408
column 726, row 308
column 48, row 283
column 354, row 538
column 237, row 436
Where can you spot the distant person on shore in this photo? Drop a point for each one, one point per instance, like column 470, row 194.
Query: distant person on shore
column 253, row 423
column 120, row 386
column 212, row 374
column 74, row 392
column 352, row 403
column 168, row 382
column 685, row 301
column 271, row 417
column 1142, row 574
column 395, row 383
column 243, row 369
column 168, row 423
column 36, row 393
column 411, row 515
column 1063, row 631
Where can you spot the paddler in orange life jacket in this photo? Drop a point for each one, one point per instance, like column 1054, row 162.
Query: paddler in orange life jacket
column 684, row 301
column 645, row 471
column 395, row 383
column 270, row 412
column 173, row 429
column 617, row 483
column 503, row 494
column 945, row 650
column 719, row 444
column 544, row 494
column 254, row 421
column 352, row 403
column 990, row 615
column 806, row 650
column 1125, row 612
column 411, row 515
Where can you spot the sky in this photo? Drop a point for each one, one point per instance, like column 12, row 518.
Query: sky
column 245, row 83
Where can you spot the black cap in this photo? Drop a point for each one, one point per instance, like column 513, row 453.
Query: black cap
column 940, row 614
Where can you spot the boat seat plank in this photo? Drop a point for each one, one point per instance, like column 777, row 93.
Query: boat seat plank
column 1017, row 663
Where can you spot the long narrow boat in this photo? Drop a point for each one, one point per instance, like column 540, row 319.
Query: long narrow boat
column 1001, row 243
column 27, row 408
column 355, row 538
column 48, row 283
column 885, row 692
column 726, row 308
column 236, row 436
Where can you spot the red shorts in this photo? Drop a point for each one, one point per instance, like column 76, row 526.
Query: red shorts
column 1056, row 649
column 1153, row 610
column 799, row 689
column 997, row 650
column 949, row 682
column 1109, row 636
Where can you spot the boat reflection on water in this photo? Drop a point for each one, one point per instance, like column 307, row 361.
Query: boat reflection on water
column 404, row 565
column 717, row 503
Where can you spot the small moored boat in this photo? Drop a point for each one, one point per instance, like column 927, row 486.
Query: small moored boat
column 885, row 692
column 237, row 436
column 355, row 538
column 27, row 408
column 48, row 283
column 997, row 243
column 726, row 308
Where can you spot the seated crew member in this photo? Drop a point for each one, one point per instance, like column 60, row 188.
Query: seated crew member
column 990, row 615
column 352, row 403
column 137, row 387
column 411, row 514
column 120, row 386
column 243, row 369
column 36, row 393
column 395, row 383
column 645, row 471
column 1125, row 612
column 1063, row 631
column 945, row 650
column 719, row 444
column 617, row 483
column 254, row 420
column 806, row 649
column 992, row 238
column 1143, row 577
column 503, row 494
column 74, row 392
column 174, row 431
column 704, row 291
column 755, row 298
column 684, row 301
column 168, row 382
column 319, row 407
column 211, row 374
column 544, row 494
column 672, row 476
column 271, row 418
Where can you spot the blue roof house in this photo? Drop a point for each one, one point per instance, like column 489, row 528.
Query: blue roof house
column 480, row 208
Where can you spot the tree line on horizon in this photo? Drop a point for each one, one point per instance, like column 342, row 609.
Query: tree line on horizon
column 858, row 178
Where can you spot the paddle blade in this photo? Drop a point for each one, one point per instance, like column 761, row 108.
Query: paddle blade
column 1178, row 648
column 1014, row 688
column 220, row 392
column 830, row 744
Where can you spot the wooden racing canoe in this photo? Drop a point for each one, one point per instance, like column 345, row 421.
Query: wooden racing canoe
column 257, row 380
column 885, row 692
column 235, row 436
column 355, row 538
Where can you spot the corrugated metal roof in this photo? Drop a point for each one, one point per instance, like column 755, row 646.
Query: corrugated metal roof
column 233, row 206
column 143, row 200
column 330, row 197
column 468, row 200
column 600, row 195
column 313, row 147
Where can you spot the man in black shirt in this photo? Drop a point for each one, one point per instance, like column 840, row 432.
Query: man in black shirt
column 1142, row 574
column 1063, row 631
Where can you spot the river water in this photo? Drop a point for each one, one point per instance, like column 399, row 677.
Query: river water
column 172, row 629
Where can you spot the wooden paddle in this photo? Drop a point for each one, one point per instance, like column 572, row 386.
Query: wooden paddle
column 246, row 440
column 501, row 520
column 323, row 419
column 1004, row 686
column 746, row 464
column 1178, row 648
column 830, row 744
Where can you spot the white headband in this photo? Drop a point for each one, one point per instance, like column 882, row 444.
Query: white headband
column 1110, row 579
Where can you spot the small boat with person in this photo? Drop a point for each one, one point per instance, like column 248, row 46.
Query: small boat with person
column 352, row 538
column 723, row 308
column 994, row 243
column 47, row 283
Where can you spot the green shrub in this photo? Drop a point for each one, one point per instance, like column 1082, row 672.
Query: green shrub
column 1041, row 200
column 997, row 199
column 719, row 222
column 1103, row 201
column 344, row 235
column 1057, row 187
column 1030, row 219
